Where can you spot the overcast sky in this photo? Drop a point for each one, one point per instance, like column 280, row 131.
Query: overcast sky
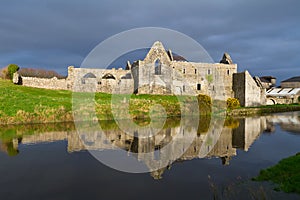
column 260, row 35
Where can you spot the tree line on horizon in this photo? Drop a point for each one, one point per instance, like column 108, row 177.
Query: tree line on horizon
column 8, row 71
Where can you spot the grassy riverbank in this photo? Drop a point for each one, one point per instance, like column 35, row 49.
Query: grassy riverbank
column 21, row 105
column 286, row 174
column 24, row 104
column 242, row 111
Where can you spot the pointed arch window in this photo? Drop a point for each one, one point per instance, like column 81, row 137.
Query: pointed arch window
column 89, row 75
column 157, row 66
column 108, row 76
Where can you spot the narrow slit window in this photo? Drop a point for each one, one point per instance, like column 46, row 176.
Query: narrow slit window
column 208, row 71
column 228, row 72
column 198, row 86
column 183, row 88
column 184, row 71
column 195, row 71
column 157, row 67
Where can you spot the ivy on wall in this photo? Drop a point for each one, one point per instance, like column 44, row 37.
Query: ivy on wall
column 209, row 78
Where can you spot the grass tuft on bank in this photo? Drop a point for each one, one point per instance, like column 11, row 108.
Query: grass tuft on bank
column 286, row 174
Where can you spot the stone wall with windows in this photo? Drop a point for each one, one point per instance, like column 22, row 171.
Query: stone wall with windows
column 160, row 73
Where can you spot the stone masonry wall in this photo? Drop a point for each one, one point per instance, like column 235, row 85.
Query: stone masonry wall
column 239, row 87
column 247, row 91
column 88, row 80
column 100, row 80
column 215, row 79
column 182, row 77
column 52, row 83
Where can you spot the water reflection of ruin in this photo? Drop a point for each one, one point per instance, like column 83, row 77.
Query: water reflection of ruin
column 235, row 134
column 287, row 121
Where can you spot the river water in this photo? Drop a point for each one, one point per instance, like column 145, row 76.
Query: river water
column 186, row 160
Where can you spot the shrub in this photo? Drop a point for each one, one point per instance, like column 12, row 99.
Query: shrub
column 232, row 103
column 39, row 73
column 204, row 103
column 12, row 68
column 4, row 73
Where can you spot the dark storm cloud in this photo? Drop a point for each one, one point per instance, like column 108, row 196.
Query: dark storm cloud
column 261, row 36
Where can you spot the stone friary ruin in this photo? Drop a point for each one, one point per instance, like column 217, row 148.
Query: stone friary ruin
column 161, row 72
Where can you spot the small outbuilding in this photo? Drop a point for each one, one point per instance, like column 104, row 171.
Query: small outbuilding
column 268, row 81
column 293, row 82
column 283, row 95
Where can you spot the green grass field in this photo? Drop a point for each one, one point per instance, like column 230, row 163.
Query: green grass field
column 20, row 104
column 14, row 98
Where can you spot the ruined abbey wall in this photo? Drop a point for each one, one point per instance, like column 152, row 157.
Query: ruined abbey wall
column 213, row 79
column 247, row 90
column 52, row 83
column 100, row 80
column 85, row 80
column 182, row 77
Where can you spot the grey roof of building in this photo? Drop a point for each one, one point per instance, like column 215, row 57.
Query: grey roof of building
column 293, row 79
column 178, row 58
